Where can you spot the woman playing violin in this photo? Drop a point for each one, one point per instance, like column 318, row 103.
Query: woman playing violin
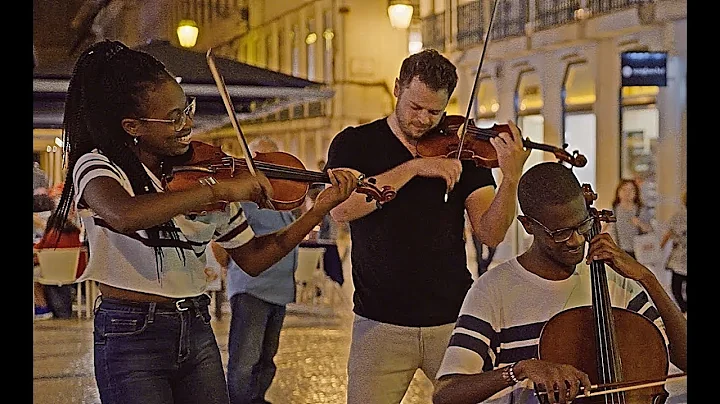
column 408, row 258
column 125, row 115
column 492, row 353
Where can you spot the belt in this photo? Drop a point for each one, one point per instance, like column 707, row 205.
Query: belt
column 183, row 304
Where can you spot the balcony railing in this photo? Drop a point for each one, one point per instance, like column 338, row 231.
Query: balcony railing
column 470, row 23
column 551, row 13
column 433, row 31
column 510, row 19
column 606, row 6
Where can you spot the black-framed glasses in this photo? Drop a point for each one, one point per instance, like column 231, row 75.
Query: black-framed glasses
column 564, row 234
column 181, row 119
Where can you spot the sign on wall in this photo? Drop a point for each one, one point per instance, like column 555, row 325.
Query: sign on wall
column 643, row 69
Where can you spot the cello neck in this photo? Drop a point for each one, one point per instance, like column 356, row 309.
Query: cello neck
column 608, row 355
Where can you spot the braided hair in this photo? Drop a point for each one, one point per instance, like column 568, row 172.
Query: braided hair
column 110, row 82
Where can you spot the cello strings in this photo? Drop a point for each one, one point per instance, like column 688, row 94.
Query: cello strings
column 603, row 309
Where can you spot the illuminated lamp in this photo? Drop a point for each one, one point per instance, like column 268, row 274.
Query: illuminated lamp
column 187, row 32
column 400, row 13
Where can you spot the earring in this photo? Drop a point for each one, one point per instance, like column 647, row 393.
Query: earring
column 136, row 140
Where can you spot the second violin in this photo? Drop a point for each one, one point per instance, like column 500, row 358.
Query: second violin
column 443, row 140
column 286, row 173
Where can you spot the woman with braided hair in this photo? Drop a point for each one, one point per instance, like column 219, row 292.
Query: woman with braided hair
column 125, row 118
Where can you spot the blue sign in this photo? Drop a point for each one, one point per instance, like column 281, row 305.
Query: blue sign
column 643, row 69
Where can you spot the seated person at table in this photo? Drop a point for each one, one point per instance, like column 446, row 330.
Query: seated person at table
column 53, row 300
column 494, row 347
column 257, row 304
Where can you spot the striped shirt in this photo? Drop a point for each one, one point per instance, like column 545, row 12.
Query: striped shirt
column 505, row 310
column 128, row 261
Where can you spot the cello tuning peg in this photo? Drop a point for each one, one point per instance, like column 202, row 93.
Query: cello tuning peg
column 565, row 146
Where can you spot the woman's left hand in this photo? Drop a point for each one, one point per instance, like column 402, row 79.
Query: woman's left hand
column 343, row 183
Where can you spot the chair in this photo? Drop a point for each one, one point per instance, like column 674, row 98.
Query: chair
column 308, row 273
column 58, row 266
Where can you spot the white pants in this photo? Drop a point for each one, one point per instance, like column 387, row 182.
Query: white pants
column 384, row 358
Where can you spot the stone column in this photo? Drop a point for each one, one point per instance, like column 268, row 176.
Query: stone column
column 671, row 155
column 607, row 112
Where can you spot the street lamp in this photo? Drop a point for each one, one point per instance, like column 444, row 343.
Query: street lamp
column 400, row 13
column 187, row 32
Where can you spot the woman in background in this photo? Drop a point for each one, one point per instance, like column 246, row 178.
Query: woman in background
column 633, row 217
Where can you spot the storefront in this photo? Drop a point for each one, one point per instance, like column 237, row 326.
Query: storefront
column 639, row 118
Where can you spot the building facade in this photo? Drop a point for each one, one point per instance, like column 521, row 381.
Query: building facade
column 551, row 66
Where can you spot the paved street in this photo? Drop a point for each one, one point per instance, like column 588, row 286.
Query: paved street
column 311, row 361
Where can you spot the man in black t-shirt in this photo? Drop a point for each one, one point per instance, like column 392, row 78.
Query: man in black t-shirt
column 408, row 259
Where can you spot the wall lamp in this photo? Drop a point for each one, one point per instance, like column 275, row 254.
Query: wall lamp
column 187, row 32
column 400, row 13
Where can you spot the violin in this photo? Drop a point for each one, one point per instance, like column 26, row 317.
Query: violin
column 290, row 181
column 623, row 353
column 443, row 140
column 287, row 175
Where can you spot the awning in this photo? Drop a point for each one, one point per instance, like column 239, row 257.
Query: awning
column 255, row 92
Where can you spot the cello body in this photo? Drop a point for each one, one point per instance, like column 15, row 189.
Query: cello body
column 642, row 351
column 611, row 345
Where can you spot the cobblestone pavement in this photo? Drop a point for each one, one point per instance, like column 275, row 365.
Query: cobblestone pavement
column 311, row 361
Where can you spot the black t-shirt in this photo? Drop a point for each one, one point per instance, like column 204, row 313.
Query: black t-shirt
column 408, row 259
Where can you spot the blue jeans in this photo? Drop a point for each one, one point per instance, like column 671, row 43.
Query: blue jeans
column 252, row 344
column 151, row 354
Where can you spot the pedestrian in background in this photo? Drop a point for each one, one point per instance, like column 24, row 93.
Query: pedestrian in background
column 677, row 262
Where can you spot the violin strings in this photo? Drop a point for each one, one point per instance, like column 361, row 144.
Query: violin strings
column 291, row 173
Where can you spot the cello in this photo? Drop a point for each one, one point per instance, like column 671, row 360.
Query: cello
column 623, row 349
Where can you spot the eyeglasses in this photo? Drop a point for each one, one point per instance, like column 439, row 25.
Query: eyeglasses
column 563, row 235
column 180, row 120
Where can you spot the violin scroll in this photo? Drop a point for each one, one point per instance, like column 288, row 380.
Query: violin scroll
column 381, row 196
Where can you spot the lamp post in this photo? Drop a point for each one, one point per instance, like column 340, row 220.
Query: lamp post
column 400, row 13
column 187, row 32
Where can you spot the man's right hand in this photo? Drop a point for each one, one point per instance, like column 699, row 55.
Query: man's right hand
column 564, row 379
column 449, row 169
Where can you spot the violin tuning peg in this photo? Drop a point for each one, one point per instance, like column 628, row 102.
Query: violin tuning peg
column 372, row 180
column 368, row 198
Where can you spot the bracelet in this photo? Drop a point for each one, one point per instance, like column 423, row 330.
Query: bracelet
column 508, row 374
column 511, row 370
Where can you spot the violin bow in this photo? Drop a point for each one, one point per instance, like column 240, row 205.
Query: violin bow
column 225, row 95
column 620, row 387
column 477, row 76
column 474, row 88
column 220, row 81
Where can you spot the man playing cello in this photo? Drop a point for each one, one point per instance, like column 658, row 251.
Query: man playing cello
column 493, row 350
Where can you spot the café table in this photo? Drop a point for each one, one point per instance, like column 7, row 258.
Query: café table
column 331, row 258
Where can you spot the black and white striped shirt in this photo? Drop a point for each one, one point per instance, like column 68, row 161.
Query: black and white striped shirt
column 128, row 261
column 504, row 312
